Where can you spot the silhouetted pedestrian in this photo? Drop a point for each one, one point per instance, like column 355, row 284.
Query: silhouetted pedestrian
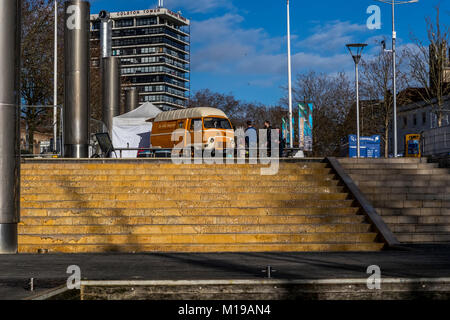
column 251, row 139
column 269, row 128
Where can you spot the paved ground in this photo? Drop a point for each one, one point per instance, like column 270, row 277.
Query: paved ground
column 49, row 271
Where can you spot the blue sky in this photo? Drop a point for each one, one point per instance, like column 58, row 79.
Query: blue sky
column 239, row 47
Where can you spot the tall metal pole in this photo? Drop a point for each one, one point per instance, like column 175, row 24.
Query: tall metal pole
column 10, row 35
column 105, row 34
column 111, row 91
column 77, row 79
column 394, row 67
column 357, row 109
column 55, row 82
column 291, row 135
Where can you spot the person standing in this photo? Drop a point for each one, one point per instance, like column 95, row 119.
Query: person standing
column 269, row 128
column 251, row 140
column 281, row 141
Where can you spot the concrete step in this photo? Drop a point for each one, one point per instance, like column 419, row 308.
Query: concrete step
column 407, row 196
column 400, row 177
column 123, row 204
column 417, row 219
column 401, row 183
column 85, row 219
column 420, row 228
column 399, row 172
column 425, row 212
column 254, row 247
column 175, row 178
column 382, row 161
column 412, row 196
column 195, row 238
column 186, row 196
column 424, row 237
column 175, row 171
column 105, row 185
column 56, row 190
column 404, row 190
column 399, row 204
column 380, row 166
column 77, row 212
column 133, row 165
column 177, row 229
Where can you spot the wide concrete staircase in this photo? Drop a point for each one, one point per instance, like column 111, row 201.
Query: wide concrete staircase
column 412, row 196
column 147, row 207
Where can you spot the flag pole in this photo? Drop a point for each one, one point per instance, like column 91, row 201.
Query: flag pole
column 291, row 136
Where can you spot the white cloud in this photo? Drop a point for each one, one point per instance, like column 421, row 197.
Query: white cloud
column 332, row 35
column 221, row 45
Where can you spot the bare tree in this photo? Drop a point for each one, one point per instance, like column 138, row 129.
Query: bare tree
column 238, row 111
column 428, row 62
column 96, row 82
column 37, row 64
column 225, row 102
column 376, row 87
column 332, row 96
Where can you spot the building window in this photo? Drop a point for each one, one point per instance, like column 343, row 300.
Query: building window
column 424, row 118
column 146, row 21
column 96, row 25
column 124, row 23
column 405, row 122
column 434, row 120
column 415, row 120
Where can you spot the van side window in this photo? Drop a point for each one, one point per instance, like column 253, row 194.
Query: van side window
column 193, row 122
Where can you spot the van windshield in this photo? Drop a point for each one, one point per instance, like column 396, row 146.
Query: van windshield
column 216, row 123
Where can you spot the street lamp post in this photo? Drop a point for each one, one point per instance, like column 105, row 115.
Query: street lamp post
column 394, row 65
column 356, row 50
column 291, row 135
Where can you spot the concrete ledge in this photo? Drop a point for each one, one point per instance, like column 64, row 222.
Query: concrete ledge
column 329, row 289
column 107, row 283
column 60, row 293
column 152, row 160
column 383, row 230
column 326, row 289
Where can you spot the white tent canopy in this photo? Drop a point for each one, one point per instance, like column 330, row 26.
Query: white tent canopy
column 131, row 130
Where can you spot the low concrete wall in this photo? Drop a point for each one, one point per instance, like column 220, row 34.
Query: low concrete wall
column 333, row 289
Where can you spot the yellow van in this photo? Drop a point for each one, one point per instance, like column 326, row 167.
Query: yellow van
column 217, row 130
